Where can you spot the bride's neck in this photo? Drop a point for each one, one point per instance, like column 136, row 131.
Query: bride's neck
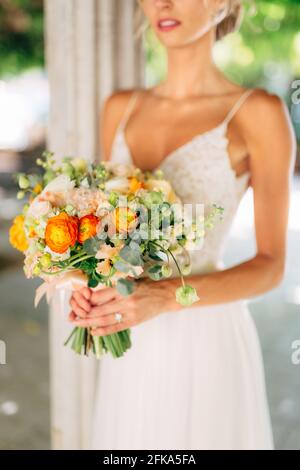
column 191, row 70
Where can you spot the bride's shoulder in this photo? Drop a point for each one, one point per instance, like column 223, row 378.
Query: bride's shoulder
column 267, row 125
column 261, row 101
column 119, row 99
column 264, row 109
column 114, row 107
column 112, row 111
column 264, row 98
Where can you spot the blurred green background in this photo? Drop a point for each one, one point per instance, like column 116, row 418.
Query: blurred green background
column 21, row 36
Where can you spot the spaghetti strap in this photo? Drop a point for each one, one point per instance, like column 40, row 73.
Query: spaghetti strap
column 237, row 105
column 128, row 109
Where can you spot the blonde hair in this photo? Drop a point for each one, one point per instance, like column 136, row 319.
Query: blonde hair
column 232, row 21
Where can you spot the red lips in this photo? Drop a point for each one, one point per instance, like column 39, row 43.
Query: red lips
column 166, row 24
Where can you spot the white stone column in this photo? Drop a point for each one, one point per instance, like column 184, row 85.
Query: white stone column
column 90, row 52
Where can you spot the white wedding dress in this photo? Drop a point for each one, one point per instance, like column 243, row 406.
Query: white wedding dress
column 194, row 378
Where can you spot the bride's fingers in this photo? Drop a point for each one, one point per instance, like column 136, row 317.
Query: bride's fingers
column 81, row 301
column 115, row 306
column 102, row 296
column 99, row 314
column 86, row 292
column 72, row 316
column 77, row 309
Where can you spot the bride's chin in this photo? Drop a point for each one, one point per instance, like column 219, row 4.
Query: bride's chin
column 180, row 42
column 173, row 43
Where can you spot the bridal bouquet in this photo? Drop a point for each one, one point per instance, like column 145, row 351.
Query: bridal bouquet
column 103, row 225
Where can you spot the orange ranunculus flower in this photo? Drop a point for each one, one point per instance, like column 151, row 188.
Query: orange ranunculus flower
column 87, row 227
column 17, row 235
column 124, row 219
column 135, row 184
column 61, row 232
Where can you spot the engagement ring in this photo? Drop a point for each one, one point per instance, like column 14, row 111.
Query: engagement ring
column 118, row 317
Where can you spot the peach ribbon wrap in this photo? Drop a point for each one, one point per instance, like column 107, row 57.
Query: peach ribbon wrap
column 73, row 280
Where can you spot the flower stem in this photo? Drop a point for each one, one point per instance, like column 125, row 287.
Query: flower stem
column 179, row 270
column 68, row 266
column 175, row 261
column 79, row 260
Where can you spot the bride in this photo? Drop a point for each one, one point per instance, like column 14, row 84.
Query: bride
column 194, row 377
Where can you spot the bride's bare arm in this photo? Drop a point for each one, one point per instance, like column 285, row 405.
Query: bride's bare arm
column 270, row 141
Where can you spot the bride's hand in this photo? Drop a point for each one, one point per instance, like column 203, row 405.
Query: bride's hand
column 97, row 309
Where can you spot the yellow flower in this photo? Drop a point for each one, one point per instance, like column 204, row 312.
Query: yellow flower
column 32, row 233
column 17, row 235
column 79, row 164
column 38, row 188
column 165, row 187
column 135, row 184
column 124, row 219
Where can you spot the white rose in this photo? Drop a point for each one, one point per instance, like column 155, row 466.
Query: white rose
column 117, row 184
column 61, row 183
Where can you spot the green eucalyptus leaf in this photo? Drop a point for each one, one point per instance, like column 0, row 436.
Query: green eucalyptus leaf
column 125, row 287
column 155, row 272
column 91, row 246
column 136, row 237
column 121, row 266
column 155, row 268
column 132, row 255
column 162, row 255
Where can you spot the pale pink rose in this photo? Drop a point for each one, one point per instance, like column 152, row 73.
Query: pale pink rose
column 38, row 208
column 55, row 199
column 103, row 209
column 86, row 201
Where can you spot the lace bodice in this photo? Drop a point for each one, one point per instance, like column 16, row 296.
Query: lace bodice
column 200, row 172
